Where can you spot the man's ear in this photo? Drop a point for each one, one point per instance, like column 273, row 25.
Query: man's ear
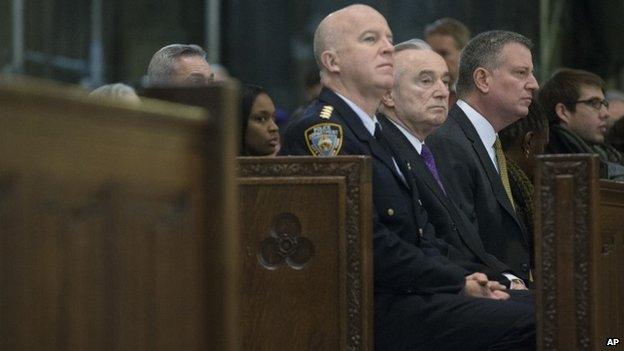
column 562, row 112
column 387, row 99
column 481, row 78
column 330, row 61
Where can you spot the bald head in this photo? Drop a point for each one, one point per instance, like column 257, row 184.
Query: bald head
column 335, row 27
column 353, row 49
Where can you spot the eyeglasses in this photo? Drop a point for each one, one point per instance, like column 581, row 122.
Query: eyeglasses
column 596, row 103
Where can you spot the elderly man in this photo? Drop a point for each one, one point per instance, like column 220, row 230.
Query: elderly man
column 495, row 88
column 578, row 114
column 179, row 65
column 447, row 36
column 415, row 107
column 422, row 300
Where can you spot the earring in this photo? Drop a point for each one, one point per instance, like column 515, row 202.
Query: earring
column 527, row 152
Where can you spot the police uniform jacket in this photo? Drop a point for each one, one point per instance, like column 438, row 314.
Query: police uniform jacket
column 418, row 304
column 405, row 261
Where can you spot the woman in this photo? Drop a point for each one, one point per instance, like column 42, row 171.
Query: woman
column 259, row 133
column 522, row 141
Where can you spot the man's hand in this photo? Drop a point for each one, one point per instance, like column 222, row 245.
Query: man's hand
column 478, row 285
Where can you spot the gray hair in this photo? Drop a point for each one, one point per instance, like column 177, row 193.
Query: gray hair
column 117, row 91
column 162, row 65
column 414, row 44
column 484, row 51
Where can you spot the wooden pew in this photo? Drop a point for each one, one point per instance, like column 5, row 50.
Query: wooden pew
column 117, row 226
column 286, row 304
column 611, row 224
column 579, row 231
column 306, row 236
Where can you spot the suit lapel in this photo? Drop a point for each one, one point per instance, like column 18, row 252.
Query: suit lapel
column 486, row 162
column 412, row 160
column 421, row 171
column 352, row 120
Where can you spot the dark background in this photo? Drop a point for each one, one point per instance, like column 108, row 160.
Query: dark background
column 270, row 42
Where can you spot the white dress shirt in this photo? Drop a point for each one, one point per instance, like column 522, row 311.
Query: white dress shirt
column 416, row 143
column 484, row 129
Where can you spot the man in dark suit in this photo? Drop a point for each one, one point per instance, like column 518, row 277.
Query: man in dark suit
column 422, row 300
column 413, row 109
column 495, row 88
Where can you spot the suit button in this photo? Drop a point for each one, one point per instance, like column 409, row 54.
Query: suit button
column 419, row 202
column 390, row 212
column 420, row 231
column 525, row 267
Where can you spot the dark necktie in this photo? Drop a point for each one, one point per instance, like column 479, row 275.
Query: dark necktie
column 427, row 156
column 384, row 143
column 381, row 139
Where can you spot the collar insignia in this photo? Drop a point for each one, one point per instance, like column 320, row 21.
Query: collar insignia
column 326, row 111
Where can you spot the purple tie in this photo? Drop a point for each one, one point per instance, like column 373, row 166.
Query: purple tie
column 426, row 154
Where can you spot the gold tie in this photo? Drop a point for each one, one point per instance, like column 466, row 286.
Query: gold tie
column 502, row 169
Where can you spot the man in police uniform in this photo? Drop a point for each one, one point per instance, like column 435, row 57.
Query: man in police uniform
column 422, row 300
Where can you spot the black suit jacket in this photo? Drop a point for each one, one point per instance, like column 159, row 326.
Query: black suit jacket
column 418, row 304
column 450, row 223
column 405, row 262
column 469, row 175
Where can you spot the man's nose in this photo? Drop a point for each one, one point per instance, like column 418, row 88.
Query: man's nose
column 388, row 47
column 532, row 84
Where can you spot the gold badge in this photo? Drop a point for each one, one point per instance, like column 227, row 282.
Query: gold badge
column 324, row 139
column 326, row 111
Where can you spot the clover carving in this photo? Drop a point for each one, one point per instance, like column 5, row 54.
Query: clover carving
column 285, row 244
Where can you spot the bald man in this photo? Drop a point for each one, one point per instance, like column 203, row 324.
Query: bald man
column 422, row 300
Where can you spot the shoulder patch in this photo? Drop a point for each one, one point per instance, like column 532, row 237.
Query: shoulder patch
column 326, row 111
column 324, row 139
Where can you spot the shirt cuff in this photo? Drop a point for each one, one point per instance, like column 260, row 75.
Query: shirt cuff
column 512, row 277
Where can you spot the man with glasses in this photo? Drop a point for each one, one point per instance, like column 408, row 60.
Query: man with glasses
column 578, row 114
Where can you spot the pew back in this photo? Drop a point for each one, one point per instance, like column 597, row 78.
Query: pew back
column 578, row 227
column 306, row 236
column 611, row 223
column 117, row 227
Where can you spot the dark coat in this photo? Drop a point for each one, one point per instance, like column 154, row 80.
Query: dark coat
column 404, row 261
column 418, row 300
column 450, row 223
column 469, row 175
